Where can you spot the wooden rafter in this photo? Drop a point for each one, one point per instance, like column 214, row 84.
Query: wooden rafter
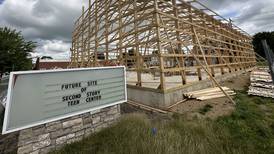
column 168, row 37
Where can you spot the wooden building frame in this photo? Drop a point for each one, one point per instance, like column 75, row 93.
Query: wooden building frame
column 163, row 37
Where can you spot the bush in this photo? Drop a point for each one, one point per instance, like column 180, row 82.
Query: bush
column 205, row 109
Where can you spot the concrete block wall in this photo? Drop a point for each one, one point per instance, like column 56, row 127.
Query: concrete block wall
column 52, row 136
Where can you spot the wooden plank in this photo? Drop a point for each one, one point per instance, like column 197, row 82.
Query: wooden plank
column 176, row 104
column 207, row 90
column 213, row 96
column 211, row 93
column 146, row 107
column 263, row 85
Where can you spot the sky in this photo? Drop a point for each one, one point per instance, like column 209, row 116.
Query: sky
column 50, row 22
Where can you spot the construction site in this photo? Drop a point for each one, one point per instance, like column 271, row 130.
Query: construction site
column 145, row 76
column 168, row 47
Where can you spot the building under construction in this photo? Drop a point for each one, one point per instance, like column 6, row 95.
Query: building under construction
column 166, row 45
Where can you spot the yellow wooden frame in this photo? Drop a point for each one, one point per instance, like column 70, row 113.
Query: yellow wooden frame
column 114, row 27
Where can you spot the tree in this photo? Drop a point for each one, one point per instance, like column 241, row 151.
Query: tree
column 46, row 57
column 257, row 42
column 14, row 51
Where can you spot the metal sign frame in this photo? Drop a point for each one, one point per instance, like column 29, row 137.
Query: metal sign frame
column 10, row 90
column 270, row 58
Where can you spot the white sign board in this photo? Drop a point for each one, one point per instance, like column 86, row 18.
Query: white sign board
column 39, row 97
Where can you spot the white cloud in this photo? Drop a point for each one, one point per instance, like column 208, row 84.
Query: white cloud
column 57, row 49
column 251, row 15
column 48, row 22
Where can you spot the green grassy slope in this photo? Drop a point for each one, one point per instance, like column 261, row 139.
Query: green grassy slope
column 250, row 129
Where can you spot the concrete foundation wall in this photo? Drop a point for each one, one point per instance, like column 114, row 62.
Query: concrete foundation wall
column 158, row 99
column 147, row 97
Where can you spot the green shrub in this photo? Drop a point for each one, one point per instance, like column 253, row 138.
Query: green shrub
column 205, row 109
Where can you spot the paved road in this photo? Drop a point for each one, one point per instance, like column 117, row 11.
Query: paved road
column 3, row 92
column 3, row 86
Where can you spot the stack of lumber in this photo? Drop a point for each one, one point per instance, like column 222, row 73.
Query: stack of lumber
column 209, row 93
column 261, row 83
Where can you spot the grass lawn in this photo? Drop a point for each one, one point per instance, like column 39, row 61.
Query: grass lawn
column 250, row 129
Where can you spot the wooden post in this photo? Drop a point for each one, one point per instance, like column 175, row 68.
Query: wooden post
column 82, row 41
column 220, row 58
column 77, row 53
column 89, row 51
column 211, row 58
column 202, row 51
column 138, row 54
column 161, row 60
column 107, row 31
column 179, row 46
column 195, row 51
column 95, row 62
column 120, row 32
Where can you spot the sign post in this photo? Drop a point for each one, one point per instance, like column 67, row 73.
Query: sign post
column 40, row 97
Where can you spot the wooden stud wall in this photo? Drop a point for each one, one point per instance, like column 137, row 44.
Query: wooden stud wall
column 152, row 36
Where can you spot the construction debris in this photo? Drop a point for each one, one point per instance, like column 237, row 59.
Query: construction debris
column 146, row 107
column 171, row 106
column 261, row 83
column 209, row 93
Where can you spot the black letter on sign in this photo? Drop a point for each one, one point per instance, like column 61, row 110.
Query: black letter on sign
column 83, row 90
